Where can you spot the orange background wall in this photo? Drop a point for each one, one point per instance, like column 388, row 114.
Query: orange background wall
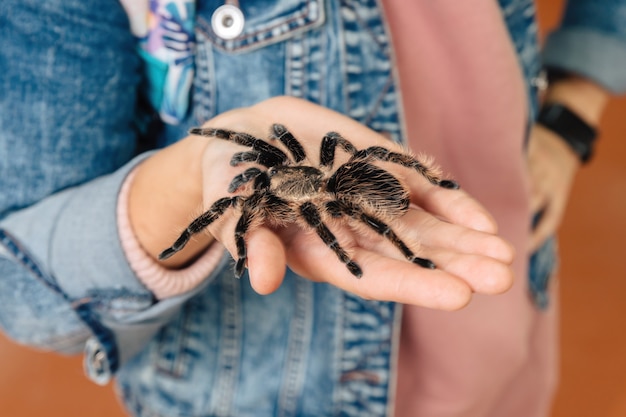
column 592, row 287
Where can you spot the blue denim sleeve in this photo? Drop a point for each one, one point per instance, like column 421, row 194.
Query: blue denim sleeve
column 70, row 74
column 591, row 41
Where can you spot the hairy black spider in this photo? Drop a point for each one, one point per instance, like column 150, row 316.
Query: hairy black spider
column 290, row 191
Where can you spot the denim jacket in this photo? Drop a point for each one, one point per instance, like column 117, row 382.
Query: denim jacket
column 70, row 132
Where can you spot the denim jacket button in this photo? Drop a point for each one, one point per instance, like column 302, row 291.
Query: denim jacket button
column 227, row 21
column 96, row 362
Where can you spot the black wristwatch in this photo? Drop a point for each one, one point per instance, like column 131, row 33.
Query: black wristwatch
column 577, row 133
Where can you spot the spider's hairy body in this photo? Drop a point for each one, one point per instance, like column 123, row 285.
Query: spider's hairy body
column 289, row 190
column 295, row 183
column 367, row 185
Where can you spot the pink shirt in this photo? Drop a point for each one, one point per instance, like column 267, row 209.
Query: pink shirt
column 465, row 104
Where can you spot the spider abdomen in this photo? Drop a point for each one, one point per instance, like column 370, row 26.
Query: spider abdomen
column 365, row 184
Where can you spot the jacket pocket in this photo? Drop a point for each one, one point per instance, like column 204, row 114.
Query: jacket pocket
column 249, row 24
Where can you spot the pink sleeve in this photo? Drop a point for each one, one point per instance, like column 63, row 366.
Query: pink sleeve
column 163, row 282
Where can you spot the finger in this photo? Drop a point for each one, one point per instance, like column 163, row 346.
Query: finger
column 266, row 260
column 388, row 279
column 431, row 232
column 265, row 251
column 421, row 231
column 545, row 227
column 480, row 259
column 540, row 187
column 455, row 206
column 482, row 274
column 538, row 201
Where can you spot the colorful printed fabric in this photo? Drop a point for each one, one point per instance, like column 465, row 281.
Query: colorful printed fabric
column 164, row 29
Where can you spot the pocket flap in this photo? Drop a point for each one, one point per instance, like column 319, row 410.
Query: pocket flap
column 265, row 21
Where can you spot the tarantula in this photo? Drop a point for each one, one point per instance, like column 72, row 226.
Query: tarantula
column 290, row 191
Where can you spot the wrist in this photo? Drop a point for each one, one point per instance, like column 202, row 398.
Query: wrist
column 165, row 192
column 572, row 130
column 572, row 110
column 584, row 98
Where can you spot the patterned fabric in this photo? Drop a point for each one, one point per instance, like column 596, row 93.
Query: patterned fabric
column 164, row 29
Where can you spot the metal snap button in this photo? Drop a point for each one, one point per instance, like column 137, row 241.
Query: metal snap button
column 227, row 21
column 96, row 363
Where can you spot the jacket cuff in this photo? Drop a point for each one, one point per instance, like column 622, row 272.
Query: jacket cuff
column 589, row 53
column 163, row 282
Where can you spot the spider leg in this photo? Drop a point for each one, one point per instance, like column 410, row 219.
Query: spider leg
column 336, row 209
column 380, row 227
column 262, row 152
column 311, row 215
column 247, row 176
column 257, row 205
column 329, row 143
column 281, row 133
column 383, row 229
column 200, row 223
column 248, row 156
column 383, row 154
column 237, row 137
column 243, row 225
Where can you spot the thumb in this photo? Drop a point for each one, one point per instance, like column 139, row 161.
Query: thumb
column 266, row 260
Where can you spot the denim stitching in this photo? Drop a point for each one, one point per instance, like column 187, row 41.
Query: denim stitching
column 366, row 357
column 204, row 85
column 300, row 333
column 308, row 16
column 230, row 347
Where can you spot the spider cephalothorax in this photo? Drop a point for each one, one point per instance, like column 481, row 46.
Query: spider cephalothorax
column 290, row 191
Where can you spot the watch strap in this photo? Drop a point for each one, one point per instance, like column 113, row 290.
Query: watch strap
column 577, row 133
